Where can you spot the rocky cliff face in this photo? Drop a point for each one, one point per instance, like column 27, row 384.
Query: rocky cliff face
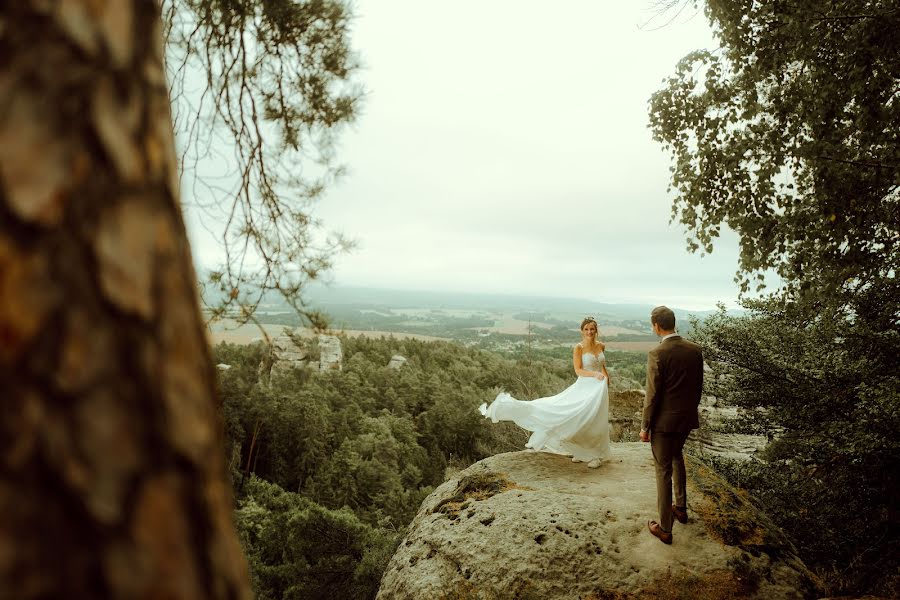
column 331, row 354
column 290, row 351
column 287, row 355
column 536, row 525
column 714, row 413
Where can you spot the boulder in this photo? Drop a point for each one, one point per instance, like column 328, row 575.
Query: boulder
column 535, row 525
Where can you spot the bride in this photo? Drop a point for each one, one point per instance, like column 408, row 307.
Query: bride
column 574, row 422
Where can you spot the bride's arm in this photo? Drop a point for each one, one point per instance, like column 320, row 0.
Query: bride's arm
column 579, row 365
column 603, row 364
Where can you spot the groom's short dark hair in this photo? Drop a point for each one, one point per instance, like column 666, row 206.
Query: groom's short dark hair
column 664, row 317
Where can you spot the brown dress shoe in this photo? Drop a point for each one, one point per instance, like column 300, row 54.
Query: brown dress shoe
column 664, row 536
column 680, row 514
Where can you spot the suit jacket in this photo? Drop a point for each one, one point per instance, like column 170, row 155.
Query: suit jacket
column 674, row 385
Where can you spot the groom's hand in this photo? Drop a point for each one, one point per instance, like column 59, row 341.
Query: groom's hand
column 645, row 435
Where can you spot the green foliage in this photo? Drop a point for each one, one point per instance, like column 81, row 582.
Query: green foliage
column 298, row 549
column 627, row 370
column 353, row 453
column 789, row 136
column 833, row 412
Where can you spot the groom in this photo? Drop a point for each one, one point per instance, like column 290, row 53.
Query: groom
column 674, row 384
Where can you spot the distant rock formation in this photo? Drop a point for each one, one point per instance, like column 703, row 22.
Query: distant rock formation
column 288, row 354
column 331, row 355
column 397, row 361
column 289, row 351
column 536, row 525
column 283, row 356
column 713, row 414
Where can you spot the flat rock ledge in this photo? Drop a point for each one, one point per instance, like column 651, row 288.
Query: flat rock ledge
column 535, row 525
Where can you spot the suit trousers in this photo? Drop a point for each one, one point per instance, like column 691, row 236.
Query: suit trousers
column 667, row 453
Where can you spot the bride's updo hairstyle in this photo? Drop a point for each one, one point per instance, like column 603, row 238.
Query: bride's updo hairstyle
column 588, row 320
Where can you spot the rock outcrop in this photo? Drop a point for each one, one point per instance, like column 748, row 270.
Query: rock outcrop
column 290, row 352
column 331, row 355
column 396, row 362
column 284, row 355
column 625, row 418
column 536, row 525
column 713, row 414
column 287, row 354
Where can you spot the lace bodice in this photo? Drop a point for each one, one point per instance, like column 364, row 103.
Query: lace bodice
column 592, row 361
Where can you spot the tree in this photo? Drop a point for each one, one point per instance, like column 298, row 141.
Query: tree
column 302, row 550
column 113, row 480
column 830, row 471
column 788, row 134
column 260, row 90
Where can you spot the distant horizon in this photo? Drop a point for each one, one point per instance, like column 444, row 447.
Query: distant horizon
column 676, row 300
column 635, row 302
column 502, row 165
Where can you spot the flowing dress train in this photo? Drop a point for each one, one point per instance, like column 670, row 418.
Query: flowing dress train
column 574, row 422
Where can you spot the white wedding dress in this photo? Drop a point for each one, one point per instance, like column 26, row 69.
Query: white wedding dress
column 574, row 422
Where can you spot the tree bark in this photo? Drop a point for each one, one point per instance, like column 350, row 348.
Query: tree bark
column 112, row 472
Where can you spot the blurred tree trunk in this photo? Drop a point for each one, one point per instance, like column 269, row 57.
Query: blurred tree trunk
column 112, row 475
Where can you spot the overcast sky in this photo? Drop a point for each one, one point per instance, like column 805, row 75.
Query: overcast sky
column 503, row 147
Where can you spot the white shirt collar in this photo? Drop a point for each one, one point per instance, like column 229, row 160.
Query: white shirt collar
column 671, row 335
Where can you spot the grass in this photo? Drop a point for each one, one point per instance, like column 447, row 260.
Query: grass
column 731, row 517
column 474, row 487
